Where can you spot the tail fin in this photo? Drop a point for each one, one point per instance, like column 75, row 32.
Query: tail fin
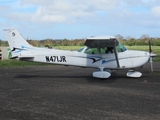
column 15, row 39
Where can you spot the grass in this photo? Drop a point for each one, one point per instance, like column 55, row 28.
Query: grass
column 18, row 63
column 72, row 48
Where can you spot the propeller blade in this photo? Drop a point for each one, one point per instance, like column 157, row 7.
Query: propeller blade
column 150, row 49
column 151, row 62
column 151, row 59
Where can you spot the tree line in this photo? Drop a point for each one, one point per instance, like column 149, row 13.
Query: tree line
column 143, row 40
column 129, row 41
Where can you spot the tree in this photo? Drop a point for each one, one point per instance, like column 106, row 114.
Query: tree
column 145, row 37
column 119, row 37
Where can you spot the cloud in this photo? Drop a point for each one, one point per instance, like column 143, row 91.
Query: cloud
column 106, row 14
column 156, row 11
column 55, row 12
column 16, row 16
column 72, row 11
column 45, row 15
column 75, row 11
column 4, row 9
column 36, row 2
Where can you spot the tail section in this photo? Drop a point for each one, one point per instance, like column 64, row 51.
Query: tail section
column 16, row 40
column 20, row 48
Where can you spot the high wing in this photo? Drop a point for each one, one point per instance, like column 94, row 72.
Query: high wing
column 103, row 41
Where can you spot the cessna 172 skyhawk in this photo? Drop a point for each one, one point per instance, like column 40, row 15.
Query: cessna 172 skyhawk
column 104, row 53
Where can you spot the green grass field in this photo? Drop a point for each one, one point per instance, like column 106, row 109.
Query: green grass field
column 17, row 63
column 69, row 47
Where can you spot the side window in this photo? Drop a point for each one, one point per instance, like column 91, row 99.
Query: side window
column 91, row 51
column 119, row 48
column 103, row 50
column 106, row 50
column 109, row 50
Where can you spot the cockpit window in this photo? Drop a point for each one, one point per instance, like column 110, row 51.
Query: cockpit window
column 80, row 50
column 104, row 50
column 108, row 50
column 121, row 48
column 91, row 51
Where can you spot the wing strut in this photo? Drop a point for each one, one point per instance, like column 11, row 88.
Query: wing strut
column 116, row 54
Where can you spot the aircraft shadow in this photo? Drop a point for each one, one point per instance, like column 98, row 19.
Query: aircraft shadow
column 114, row 77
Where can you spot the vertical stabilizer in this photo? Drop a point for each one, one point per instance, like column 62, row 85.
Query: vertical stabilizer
column 15, row 39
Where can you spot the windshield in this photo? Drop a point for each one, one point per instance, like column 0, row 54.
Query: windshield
column 104, row 50
column 121, row 48
column 80, row 50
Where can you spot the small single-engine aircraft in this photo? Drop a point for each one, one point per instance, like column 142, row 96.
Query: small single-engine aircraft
column 103, row 52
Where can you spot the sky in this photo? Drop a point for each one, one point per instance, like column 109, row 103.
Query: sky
column 75, row 19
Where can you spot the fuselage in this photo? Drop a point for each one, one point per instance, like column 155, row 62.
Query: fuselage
column 127, row 59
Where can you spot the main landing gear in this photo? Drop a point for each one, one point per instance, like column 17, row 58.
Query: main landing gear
column 102, row 74
column 134, row 74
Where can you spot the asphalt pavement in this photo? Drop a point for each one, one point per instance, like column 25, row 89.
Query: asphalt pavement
column 71, row 93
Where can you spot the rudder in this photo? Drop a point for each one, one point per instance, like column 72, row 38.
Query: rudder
column 15, row 39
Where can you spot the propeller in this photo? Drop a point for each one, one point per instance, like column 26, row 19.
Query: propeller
column 150, row 54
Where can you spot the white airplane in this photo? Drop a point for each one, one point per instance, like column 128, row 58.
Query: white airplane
column 104, row 53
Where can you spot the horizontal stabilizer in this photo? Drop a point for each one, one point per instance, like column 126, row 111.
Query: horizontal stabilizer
column 26, row 56
column 22, row 56
column 13, row 57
